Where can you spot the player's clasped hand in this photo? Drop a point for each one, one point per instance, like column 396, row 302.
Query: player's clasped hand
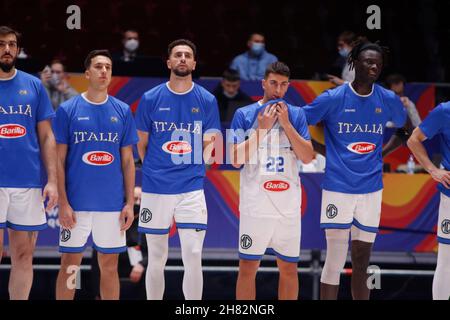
column 67, row 218
column 441, row 176
column 268, row 117
column 126, row 217
column 282, row 114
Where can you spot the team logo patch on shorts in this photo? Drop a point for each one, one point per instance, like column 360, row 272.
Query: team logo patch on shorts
column 445, row 226
column 65, row 235
column 246, row 241
column 332, row 211
column 146, row 215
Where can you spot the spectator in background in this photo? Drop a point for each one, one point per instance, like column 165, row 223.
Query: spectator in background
column 129, row 62
column 229, row 95
column 130, row 42
column 252, row 64
column 54, row 78
column 396, row 83
column 344, row 46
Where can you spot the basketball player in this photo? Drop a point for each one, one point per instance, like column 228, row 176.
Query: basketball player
column 354, row 117
column 95, row 134
column 437, row 123
column 173, row 120
column 276, row 134
column 25, row 136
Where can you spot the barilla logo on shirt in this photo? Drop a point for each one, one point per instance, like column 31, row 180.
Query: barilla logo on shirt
column 12, row 131
column 361, row 147
column 98, row 158
column 177, row 147
column 276, row 186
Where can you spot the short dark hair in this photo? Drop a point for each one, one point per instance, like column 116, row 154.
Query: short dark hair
column 5, row 30
column 258, row 33
column 277, row 68
column 394, row 79
column 182, row 42
column 57, row 61
column 93, row 54
column 347, row 36
column 231, row 75
column 129, row 30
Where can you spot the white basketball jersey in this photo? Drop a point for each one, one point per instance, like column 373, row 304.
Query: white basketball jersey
column 270, row 184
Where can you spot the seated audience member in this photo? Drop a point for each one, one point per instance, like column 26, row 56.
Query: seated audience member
column 130, row 62
column 252, row 64
column 229, row 95
column 55, row 80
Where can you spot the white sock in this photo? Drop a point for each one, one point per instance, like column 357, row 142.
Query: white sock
column 441, row 280
column 191, row 252
column 337, row 248
column 158, row 249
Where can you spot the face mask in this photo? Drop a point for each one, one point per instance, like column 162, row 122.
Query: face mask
column 257, row 48
column 344, row 52
column 132, row 45
column 229, row 96
column 55, row 79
